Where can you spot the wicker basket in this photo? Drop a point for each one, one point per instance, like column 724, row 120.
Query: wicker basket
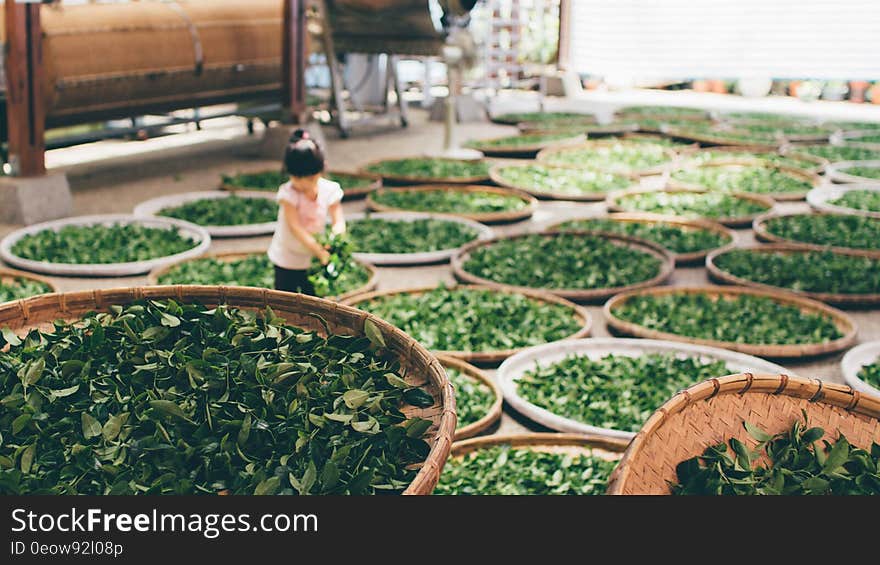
column 844, row 323
column 820, row 198
column 837, row 172
column 819, row 163
column 417, row 364
column 154, row 207
column 497, row 178
column 648, row 218
column 667, row 266
column 228, row 257
column 658, row 137
column 504, row 120
column 853, row 139
column 9, row 275
column 814, row 180
column 762, row 234
column 546, row 155
column 350, row 194
column 483, row 218
column 714, row 411
column 837, row 299
column 521, row 150
column 707, row 139
column 403, row 180
column 493, row 415
column 613, row 203
column 489, row 357
column 591, row 130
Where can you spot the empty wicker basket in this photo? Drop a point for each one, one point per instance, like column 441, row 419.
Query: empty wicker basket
column 713, row 411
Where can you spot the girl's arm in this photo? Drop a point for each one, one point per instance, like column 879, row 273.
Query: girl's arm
column 307, row 239
column 337, row 219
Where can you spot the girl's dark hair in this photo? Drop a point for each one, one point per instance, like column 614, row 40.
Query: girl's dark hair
column 303, row 156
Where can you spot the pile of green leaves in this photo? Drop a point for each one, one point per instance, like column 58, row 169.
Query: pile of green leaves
column 724, row 133
column 229, row 211
column 376, row 235
column 449, row 201
column 871, row 374
column 791, row 463
column 614, row 392
column 427, row 168
column 838, row 230
column 860, row 200
column 562, row 261
column 743, row 178
column 254, row 270
column 691, row 204
column 854, row 126
column 619, row 157
column 271, row 180
column 517, row 141
column 475, row 320
column 869, row 138
column 661, row 111
column 785, row 128
column 770, row 158
column 473, row 397
column 742, row 318
column 342, row 273
column 19, row 287
column 505, row 470
column 559, row 180
column 164, row 398
column 658, row 123
column 812, row 271
column 766, row 117
column 100, row 244
column 838, row 152
column 675, row 238
column 867, row 172
column 519, row 117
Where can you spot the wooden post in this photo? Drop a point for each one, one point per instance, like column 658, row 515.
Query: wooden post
column 563, row 51
column 25, row 110
column 293, row 61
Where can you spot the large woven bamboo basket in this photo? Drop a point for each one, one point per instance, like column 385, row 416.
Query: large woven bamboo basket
column 521, row 150
column 759, row 225
column 821, row 198
column 546, row 155
column 228, row 257
column 591, row 130
column 667, row 266
column 493, row 415
column 613, row 203
column 8, row 276
column 348, row 194
column 707, row 139
column 648, row 136
column 418, row 366
column 844, row 323
column 403, row 180
column 497, row 178
column 714, row 411
column 837, row 299
column 818, row 163
column 154, row 207
column 813, row 180
column 489, row 357
column 512, row 119
column 484, row 218
column 685, row 223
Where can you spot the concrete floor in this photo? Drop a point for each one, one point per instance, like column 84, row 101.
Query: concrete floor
column 117, row 186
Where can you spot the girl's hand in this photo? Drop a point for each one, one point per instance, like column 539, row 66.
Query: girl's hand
column 324, row 257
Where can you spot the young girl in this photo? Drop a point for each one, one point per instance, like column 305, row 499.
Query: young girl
column 304, row 205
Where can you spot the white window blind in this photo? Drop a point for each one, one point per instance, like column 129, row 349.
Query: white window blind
column 824, row 39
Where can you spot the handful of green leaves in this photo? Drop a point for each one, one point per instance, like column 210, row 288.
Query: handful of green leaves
column 615, row 392
column 476, row 320
column 838, row 230
column 473, row 398
column 559, row 180
column 506, row 470
column 796, row 464
column 379, row 235
column 100, row 244
column 743, row 318
column 743, row 178
column 228, row 211
column 427, row 168
column 341, row 273
column 14, row 288
column 562, row 261
column 158, row 397
column 691, row 204
column 812, row 271
column 449, row 201
column 868, row 200
column 675, row 238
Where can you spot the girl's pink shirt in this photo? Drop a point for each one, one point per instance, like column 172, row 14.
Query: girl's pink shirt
column 286, row 250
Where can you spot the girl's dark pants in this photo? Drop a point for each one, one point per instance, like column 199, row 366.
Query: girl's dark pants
column 293, row 280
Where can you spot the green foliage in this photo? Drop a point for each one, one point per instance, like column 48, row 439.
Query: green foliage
column 342, row 273
column 619, row 157
column 867, row 172
column 838, row 152
column 743, row 178
column 559, row 180
column 271, row 180
column 375, row 235
column 473, row 397
column 229, row 211
column 661, row 111
column 711, row 205
column 164, row 398
column 20, row 287
column 839, row 230
column 675, row 238
column 449, row 201
column 868, row 200
column 768, row 158
column 515, row 141
column 871, row 374
column 519, row 117
column 427, row 168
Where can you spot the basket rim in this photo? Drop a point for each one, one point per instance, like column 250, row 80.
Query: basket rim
column 813, row 391
column 489, row 418
column 612, row 202
column 844, row 323
column 482, row 217
column 839, row 299
column 579, row 313
column 811, row 178
column 524, row 440
column 351, row 193
column 495, row 176
column 759, row 226
column 498, row 118
column 652, row 218
column 152, row 207
column 667, row 264
column 413, row 180
column 835, row 171
column 428, row 474
column 155, row 274
column 709, row 139
column 672, row 155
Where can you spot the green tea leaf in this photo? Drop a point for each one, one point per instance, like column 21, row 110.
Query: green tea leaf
column 373, row 333
column 90, row 426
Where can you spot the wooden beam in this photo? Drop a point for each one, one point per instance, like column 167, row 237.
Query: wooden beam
column 293, row 61
column 25, row 109
column 563, row 52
